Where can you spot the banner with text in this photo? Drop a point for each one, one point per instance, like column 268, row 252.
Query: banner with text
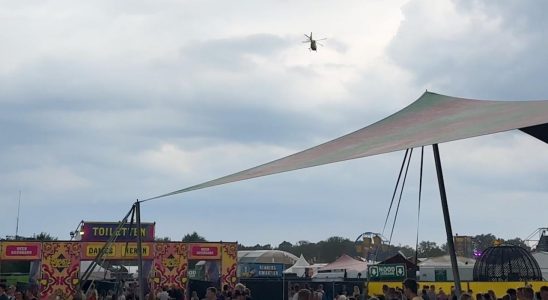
column 102, row 231
column 204, row 251
column 256, row 270
column 20, row 250
column 119, row 250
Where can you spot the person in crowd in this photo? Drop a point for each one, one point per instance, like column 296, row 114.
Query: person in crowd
column 512, row 293
column 31, row 294
column 385, row 290
column 304, row 294
column 525, row 293
column 441, row 295
column 11, row 292
column 356, row 293
column 391, row 294
column 211, row 293
column 492, row 294
column 163, row 294
column 296, row 289
column 319, row 293
column 239, row 295
column 465, row 296
column 410, row 288
column 479, row 296
column 18, row 295
column 92, row 293
column 544, row 292
column 432, row 292
column 247, row 294
column 194, row 296
column 227, row 293
column 3, row 294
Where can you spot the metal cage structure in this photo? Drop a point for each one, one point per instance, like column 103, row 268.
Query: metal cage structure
column 506, row 263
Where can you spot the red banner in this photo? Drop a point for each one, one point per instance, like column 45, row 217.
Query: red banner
column 205, row 251
column 20, row 250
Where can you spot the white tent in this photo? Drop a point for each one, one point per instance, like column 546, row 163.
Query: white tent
column 299, row 267
column 99, row 273
column 442, row 265
column 542, row 259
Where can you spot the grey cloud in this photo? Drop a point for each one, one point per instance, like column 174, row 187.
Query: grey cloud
column 495, row 53
column 230, row 53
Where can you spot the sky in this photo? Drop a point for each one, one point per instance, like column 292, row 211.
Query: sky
column 103, row 103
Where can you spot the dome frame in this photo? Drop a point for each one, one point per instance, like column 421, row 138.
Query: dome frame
column 506, row 263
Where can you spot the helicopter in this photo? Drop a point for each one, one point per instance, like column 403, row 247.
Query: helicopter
column 313, row 42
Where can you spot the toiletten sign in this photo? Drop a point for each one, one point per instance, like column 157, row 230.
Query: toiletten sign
column 102, row 231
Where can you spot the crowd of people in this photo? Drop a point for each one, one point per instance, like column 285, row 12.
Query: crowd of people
column 239, row 292
column 410, row 290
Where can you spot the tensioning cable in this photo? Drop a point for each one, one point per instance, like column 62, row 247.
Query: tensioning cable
column 395, row 190
column 419, row 208
column 401, row 193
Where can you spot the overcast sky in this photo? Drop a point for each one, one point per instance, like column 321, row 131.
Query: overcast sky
column 106, row 102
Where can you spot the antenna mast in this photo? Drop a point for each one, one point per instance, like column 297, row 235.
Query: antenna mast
column 17, row 223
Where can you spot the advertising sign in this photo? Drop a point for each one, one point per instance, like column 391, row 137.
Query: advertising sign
column 116, row 251
column 102, row 231
column 204, row 251
column 20, row 250
column 387, row 272
column 253, row 270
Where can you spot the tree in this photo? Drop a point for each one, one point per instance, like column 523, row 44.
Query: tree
column 518, row 242
column 163, row 239
column 256, row 247
column 429, row 249
column 44, row 236
column 285, row 246
column 483, row 241
column 193, row 237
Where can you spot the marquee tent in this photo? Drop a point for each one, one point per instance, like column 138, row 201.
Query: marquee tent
column 346, row 264
column 432, row 119
column 299, row 267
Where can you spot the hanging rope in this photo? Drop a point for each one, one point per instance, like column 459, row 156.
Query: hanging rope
column 392, row 201
column 419, row 208
column 399, row 200
column 395, row 190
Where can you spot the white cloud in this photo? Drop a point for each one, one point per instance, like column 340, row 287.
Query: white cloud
column 105, row 102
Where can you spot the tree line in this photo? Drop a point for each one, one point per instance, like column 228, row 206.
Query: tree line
column 330, row 249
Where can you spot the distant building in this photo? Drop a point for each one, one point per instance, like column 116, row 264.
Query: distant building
column 463, row 246
column 439, row 268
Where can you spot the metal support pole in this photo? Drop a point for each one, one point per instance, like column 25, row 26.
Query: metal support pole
column 140, row 250
column 448, row 230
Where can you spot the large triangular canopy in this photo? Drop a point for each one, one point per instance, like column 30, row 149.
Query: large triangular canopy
column 432, row 119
